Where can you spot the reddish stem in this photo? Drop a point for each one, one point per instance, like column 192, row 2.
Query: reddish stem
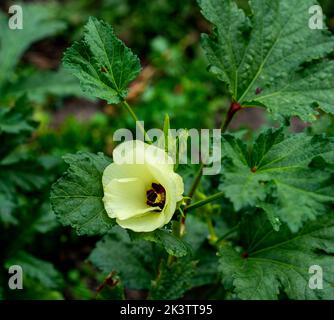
column 234, row 108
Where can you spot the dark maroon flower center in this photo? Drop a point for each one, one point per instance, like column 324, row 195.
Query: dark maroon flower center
column 156, row 197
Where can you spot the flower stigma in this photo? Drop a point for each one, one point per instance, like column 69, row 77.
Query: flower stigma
column 156, row 196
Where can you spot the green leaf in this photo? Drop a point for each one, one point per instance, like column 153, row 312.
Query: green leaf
column 275, row 262
column 16, row 127
column 18, row 170
column 206, row 272
column 7, row 207
column 173, row 245
column 47, row 220
column 173, row 281
column 39, row 22
column 12, row 121
column 206, row 267
column 275, row 172
column 76, row 198
column 18, row 119
column 197, row 233
column 25, row 175
column 102, row 62
column 39, row 85
column 134, row 261
column 21, row 170
column 42, row 272
column 269, row 69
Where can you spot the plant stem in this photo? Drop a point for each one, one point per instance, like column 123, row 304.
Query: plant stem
column 234, row 108
column 135, row 118
column 192, row 191
column 196, row 182
column 182, row 229
column 202, row 203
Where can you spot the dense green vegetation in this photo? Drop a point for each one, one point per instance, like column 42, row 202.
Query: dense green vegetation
column 190, row 61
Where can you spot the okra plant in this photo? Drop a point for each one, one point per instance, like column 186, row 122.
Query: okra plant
column 260, row 227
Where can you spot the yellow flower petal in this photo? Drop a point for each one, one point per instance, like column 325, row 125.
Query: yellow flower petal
column 126, row 181
column 117, row 195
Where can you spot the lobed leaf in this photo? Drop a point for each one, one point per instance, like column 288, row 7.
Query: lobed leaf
column 173, row 245
column 273, row 263
column 277, row 175
column 173, row 280
column 102, row 62
column 76, row 198
column 134, row 261
column 270, row 68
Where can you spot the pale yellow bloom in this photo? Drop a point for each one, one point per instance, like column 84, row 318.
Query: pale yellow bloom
column 141, row 192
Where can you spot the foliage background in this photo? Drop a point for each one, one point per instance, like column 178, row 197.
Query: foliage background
column 53, row 118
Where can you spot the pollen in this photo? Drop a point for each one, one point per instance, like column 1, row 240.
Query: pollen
column 156, row 197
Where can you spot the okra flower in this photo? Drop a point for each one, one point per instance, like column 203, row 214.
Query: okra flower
column 141, row 189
